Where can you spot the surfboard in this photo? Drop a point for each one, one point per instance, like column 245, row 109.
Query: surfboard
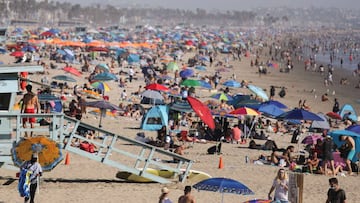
column 193, row 176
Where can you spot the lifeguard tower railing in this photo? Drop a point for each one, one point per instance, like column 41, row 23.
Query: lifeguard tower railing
column 118, row 151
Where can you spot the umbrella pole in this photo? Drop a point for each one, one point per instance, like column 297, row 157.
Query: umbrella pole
column 222, row 198
column 101, row 115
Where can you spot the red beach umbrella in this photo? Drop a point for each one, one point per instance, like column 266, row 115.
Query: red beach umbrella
column 72, row 70
column 202, row 111
column 245, row 111
column 334, row 115
column 17, row 54
column 156, row 86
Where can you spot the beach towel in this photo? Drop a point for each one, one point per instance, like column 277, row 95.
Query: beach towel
column 24, row 183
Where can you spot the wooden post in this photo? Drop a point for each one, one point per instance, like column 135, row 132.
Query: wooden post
column 296, row 183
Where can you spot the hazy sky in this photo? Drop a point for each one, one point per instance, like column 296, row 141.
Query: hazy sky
column 232, row 4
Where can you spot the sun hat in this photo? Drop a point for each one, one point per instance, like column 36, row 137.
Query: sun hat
column 165, row 190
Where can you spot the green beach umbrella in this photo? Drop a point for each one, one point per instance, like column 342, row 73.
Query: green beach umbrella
column 190, row 83
column 172, row 66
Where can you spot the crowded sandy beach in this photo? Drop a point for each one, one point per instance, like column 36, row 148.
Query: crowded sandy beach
column 300, row 71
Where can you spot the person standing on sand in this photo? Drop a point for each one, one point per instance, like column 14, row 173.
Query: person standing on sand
column 164, row 195
column 351, row 145
column 281, row 187
column 187, row 197
column 335, row 194
column 30, row 104
column 35, row 169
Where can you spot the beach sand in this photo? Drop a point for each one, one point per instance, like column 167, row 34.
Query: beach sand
column 85, row 180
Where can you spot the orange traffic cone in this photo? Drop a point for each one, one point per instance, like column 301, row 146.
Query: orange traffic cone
column 221, row 163
column 67, row 159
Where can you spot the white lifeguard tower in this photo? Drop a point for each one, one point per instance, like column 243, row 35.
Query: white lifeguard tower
column 63, row 129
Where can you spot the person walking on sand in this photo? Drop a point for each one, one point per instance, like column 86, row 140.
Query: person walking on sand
column 30, row 104
column 35, row 169
column 351, row 145
column 281, row 187
column 187, row 197
column 164, row 195
column 335, row 194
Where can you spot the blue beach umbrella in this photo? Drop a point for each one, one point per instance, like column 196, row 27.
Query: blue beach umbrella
column 258, row 92
column 186, row 73
column 232, row 83
column 205, row 84
column 354, row 128
column 300, row 114
column 276, row 103
column 105, row 76
column 270, row 110
column 223, row 185
column 202, row 68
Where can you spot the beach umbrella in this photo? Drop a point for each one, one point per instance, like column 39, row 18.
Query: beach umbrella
column 156, row 86
column 276, row 103
column 103, row 67
column 101, row 86
column 69, row 52
column 202, row 111
column 152, row 94
column 354, row 128
column 223, row 185
column 205, row 84
column 190, row 83
column 105, row 76
column 186, row 73
column 92, row 94
column 270, row 110
column 172, row 66
column 334, row 115
column 72, row 70
column 98, row 112
column 245, row 111
column 61, row 52
column 222, row 96
column 311, row 139
column 17, row 54
column 64, row 78
column 300, row 114
column 258, row 92
column 231, row 83
column 202, row 68
column 28, row 48
column 49, row 152
column 258, row 201
column 103, row 106
column 337, row 133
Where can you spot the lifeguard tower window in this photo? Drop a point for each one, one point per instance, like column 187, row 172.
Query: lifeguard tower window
column 5, row 101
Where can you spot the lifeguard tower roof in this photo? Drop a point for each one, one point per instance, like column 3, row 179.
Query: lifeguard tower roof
column 21, row 68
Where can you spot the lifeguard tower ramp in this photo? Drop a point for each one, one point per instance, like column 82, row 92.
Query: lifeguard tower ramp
column 121, row 152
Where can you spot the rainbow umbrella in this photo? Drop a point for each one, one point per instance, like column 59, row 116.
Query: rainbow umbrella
column 101, row 86
column 245, row 111
column 222, row 96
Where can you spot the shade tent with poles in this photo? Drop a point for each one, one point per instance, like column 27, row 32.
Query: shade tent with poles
column 337, row 133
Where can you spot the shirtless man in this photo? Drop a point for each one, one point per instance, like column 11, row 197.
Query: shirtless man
column 30, row 104
column 187, row 197
column 351, row 143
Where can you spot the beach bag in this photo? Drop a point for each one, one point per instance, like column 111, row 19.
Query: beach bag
column 344, row 150
column 214, row 149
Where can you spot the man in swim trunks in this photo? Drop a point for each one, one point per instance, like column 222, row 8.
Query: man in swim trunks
column 351, row 143
column 30, row 104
